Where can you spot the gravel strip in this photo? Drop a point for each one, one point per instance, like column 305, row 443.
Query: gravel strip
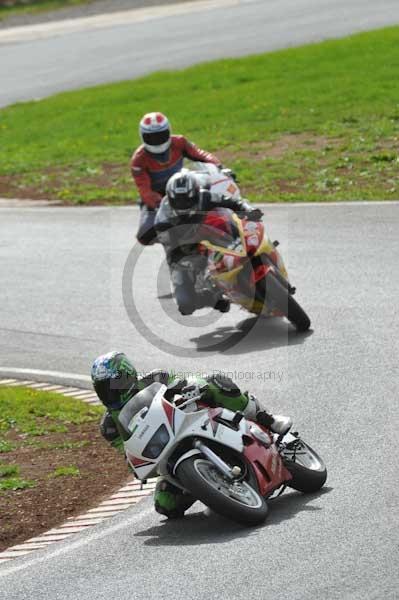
column 96, row 7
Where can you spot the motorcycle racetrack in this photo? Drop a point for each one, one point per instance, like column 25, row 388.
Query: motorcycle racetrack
column 67, row 296
column 337, row 382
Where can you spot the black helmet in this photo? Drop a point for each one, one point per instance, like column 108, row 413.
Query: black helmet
column 113, row 377
column 183, row 192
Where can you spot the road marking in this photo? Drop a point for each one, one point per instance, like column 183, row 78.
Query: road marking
column 41, row 375
column 127, row 496
column 266, row 205
column 128, row 17
column 78, row 543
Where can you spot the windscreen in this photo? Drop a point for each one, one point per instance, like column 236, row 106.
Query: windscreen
column 140, row 400
column 220, row 229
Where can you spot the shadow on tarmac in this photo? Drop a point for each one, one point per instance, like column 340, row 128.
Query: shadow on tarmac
column 207, row 527
column 251, row 335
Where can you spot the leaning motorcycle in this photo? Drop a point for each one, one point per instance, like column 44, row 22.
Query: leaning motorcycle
column 246, row 266
column 231, row 464
column 243, row 263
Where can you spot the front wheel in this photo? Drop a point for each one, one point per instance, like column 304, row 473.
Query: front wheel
column 238, row 501
column 279, row 297
column 308, row 470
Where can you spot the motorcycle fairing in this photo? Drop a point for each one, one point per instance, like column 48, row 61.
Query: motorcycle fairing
column 180, row 425
column 226, row 263
column 267, row 465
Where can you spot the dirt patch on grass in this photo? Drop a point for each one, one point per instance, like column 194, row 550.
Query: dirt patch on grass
column 281, row 146
column 10, row 188
column 28, row 512
column 302, row 166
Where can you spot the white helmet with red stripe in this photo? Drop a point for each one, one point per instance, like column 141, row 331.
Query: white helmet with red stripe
column 155, row 132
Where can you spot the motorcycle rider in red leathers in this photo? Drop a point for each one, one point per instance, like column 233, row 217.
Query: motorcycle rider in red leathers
column 154, row 162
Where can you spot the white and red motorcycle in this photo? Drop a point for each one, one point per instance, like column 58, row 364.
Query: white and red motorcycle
column 229, row 463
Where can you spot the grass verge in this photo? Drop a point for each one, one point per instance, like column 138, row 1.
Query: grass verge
column 53, row 462
column 37, row 7
column 320, row 122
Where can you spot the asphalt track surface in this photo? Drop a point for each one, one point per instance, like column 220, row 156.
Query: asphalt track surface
column 57, row 60
column 62, row 304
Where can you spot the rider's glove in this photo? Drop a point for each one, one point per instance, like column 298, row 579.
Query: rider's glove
column 255, row 214
column 264, row 418
column 228, row 172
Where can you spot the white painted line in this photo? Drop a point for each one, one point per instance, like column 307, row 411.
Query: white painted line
column 71, row 392
column 101, row 511
column 64, row 531
column 118, row 503
column 82, row 521
column 101, row 515
column 91, row 401
column 79, row 542
column 29, row 546
column 126, row 495
column 82, row 395
column 104, row 510
column 37, row 386
column 51, row 388
column 46, row 375
column 122, row 499
column 129, row 17
column 326, row 204
column 50, row 538
column 134, row 494
column 11, row 554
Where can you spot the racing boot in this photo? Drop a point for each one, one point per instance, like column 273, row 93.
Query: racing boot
column 215, row 300
column 170, row 500
column 223, row 305
column 276, row 423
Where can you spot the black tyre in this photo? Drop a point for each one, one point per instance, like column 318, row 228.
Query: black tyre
column 239, row 501
column 308, row 470
column 279, row 297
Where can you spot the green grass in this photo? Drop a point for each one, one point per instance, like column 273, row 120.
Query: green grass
column 10, row 480
column 319, row 122
column 70, row 471
column 16, row 483
column 6, row 446
column 35, row 413
column 57, row 445
column 36, row 7
column 25, row 415
column 8, row 470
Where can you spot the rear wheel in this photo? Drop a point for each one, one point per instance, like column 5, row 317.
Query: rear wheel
column 238, row 501
column 276, row 295
column 308, row 470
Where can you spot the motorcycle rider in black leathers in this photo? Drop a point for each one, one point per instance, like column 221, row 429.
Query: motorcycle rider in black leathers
column 178, row 225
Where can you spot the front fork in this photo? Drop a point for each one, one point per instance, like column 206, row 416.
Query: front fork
column 231, row 473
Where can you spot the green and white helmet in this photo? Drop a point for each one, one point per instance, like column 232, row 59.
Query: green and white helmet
column 114, row 379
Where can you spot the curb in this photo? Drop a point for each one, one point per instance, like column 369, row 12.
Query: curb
column 125, row 497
